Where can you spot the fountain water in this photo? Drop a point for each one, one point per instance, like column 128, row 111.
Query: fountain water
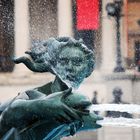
column 121, row 121
column 130, row 108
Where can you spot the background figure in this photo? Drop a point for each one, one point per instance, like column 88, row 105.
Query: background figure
column 117, row 99
column 94, row 100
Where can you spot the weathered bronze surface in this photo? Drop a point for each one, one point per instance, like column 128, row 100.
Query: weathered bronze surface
column 53, row 110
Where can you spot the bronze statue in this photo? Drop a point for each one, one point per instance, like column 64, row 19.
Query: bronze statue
column 53, row 110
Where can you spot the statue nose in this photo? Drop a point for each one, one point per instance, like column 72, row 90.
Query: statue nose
column 70, row 67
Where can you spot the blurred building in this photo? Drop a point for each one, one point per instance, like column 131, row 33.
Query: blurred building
column 22, row 21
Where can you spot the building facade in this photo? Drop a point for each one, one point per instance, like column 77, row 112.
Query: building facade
column 23, row 21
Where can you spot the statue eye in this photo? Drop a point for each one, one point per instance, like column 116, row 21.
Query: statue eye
column 64, row 60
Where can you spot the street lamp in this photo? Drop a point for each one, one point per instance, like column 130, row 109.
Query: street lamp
column 114, row 10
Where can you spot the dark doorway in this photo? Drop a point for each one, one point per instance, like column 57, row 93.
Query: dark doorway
column 137, row 53
column 6, row 35
column 88, row 36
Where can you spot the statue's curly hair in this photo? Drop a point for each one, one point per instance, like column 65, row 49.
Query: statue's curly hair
column 46, row 51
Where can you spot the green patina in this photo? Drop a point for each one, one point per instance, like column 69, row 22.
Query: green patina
column 53, row 110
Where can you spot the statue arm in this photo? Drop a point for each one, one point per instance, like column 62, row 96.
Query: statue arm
column 33, row 66
column 15, row 115
column 23, row 113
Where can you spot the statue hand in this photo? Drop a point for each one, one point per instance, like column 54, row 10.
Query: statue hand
column 58, row 109
column 81, row 104
column 32, row 65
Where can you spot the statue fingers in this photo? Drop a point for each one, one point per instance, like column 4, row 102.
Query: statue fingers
column 28, row 52
column 17, row 60
column 63, row 118
column 71, row 113
column 20, row 59
column 31, row 54
column 82, row 112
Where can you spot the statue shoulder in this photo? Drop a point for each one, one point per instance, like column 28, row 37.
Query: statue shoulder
column 7, row 103
column 31, row 95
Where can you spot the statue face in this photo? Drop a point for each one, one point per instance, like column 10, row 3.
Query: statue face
column 71, row 66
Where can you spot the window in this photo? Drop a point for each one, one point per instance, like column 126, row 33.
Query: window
column 6, row 35
column 137, row 53
column 43, row 19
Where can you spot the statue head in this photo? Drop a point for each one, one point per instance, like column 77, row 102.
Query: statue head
column 68, row 58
